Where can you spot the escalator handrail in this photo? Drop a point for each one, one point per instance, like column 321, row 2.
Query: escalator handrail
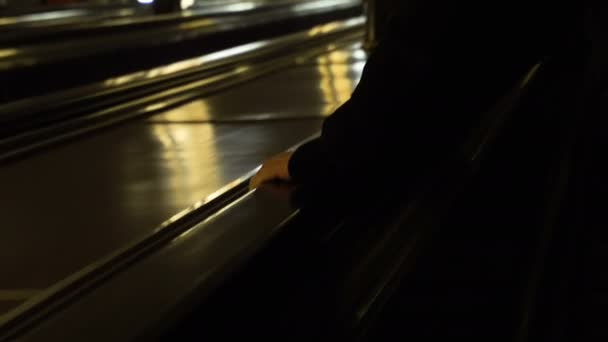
column 45, row 303
column 422, row 214
column 74, row 97
column 185, row 226
column 84, row 293
column 51, row 120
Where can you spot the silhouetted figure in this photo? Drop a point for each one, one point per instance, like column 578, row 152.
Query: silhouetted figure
column 440, row 66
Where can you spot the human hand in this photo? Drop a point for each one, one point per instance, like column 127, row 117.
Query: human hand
column 275, row 168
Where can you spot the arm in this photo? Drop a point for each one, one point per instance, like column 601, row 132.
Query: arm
column 428, row 81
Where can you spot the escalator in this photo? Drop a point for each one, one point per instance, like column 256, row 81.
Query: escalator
column 281, row 269
column 480, row 278
column 76, row 55
column 460, row 255
column 464, row 262
column 172, row 156
column 36, row 122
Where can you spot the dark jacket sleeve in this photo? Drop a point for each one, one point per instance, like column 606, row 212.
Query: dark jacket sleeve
column 442, row 64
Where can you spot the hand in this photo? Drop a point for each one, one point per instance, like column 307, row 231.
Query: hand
column 275, row 168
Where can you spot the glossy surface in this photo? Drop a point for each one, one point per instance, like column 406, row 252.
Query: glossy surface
column 327, row 79
column 62, row 17
column 136, row 34
column 86, row 14
column 132, row 302
column 67, row 207
column 7, row 305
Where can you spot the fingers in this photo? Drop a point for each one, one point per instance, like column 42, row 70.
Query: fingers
column 276, row 168
column 267, row 173
column 262, row 176
column 255, row 180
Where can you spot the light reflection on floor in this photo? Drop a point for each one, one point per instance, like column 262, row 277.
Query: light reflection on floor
column 98, row 193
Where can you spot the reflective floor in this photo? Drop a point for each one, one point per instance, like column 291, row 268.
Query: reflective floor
column 69, row 206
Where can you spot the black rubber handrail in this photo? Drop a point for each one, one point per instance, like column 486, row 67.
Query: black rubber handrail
column 227, row 240
column 204, row 213
column 59, row 295
column 554, row 257
column 369, row 250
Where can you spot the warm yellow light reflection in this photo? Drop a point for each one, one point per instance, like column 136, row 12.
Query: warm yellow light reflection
column 155, row 106
column 176, row 161
column 335, row 84
column 8, row 52
column 317, row 30
column 185, row 65
column 192, row 112
column 215, row 57
column 7, row 21
column 196, row 24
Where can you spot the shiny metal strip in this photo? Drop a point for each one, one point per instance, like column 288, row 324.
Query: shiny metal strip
column 174, row 229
